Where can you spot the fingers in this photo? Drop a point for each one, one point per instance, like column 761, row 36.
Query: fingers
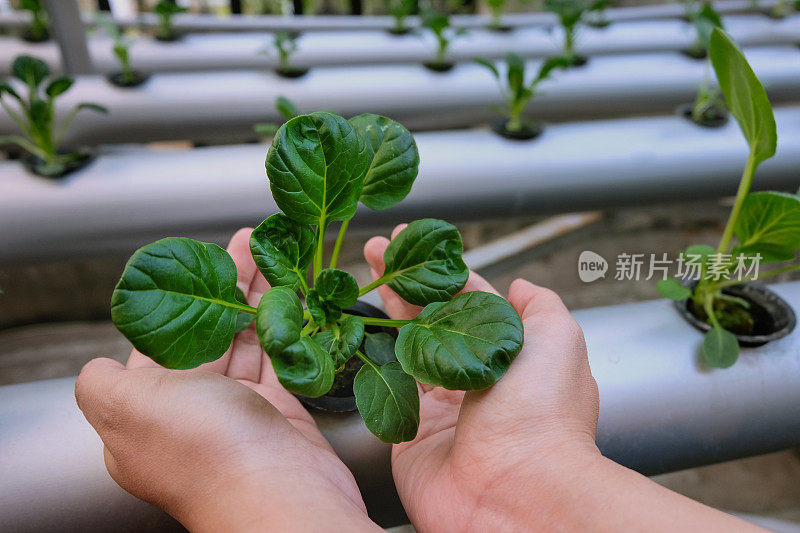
column 93, row 389
column 529, row 299
column 396, row 307
column 475, row 282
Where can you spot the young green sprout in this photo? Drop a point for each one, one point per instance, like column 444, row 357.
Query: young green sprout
column 285, row 44
column 399, row 10
column 165, row 10
column 286, row 108
column 708, row 108
column 39, row 30
column 517, row 93
column 439, row 25
column 704, row 19
column 127, row 77
column 783, row 8
column 496, row 10
column 570, row 14
column 177, row 300
column 766, row 225
column 40, row 135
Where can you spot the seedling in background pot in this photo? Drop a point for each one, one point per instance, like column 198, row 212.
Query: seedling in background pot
column 40, row 135
column 571, row 13
column 127, row 77
column 285, row 44
column 439, row 25
column 704, row 20
column 165, row 10
column 765, row 225
column 177, row 301
column 400, row 10
column 497, row 8
column 708, row 108
column 39, row 30
column 285, row 108
column 518, row 93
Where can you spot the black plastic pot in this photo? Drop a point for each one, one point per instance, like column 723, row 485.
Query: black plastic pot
column 716, row 117
column 501, row 28
column 118, row 79
column 599, row 24
column 341, row 399
column 171, row 38
column 28, row 36
column 695, row 53
column 773, row 317
column 578, row 61
column 530, row 130
column 36, row 165
column 439, row 67
column 291, row 72
column 399, row 32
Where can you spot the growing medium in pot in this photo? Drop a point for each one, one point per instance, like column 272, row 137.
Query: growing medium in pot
column 763, row 228
column 178, row 303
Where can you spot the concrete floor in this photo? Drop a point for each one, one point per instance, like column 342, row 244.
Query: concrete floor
column 72, row 300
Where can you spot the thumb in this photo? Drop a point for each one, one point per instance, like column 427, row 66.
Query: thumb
column 94, row 388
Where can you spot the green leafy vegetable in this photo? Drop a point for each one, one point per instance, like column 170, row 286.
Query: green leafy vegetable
column 399, row 10
column 388, row 401
column 279, row 320
column 121, row 49
column 672, row 289
column 304, row 368
column 282, row 250
column 439, row 25
column 570, row 14
column 769, row 224
column 165, row 10
column 467, row 343
column 343, row 341
column 720, row 348
column 176, row 302
column 39, row 30
column 379, row 347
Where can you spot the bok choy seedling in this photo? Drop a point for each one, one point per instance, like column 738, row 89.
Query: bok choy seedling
column 439, row 25
column 177, row 300
column 39, row 30
column 127, row 77
column 165, row 10
column 517, row 92
column 496, row 10
column 571, row 13
column 708, row 108
column 763, row 227
column 400, row 10
column 40, row 135
column 285, row 44
column 286, row 108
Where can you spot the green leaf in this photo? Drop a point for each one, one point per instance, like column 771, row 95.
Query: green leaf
column 279, row 319
column 516, row 73
column 701, row 250
column 286, row 108
column 769, row 223
column 720, row 347
column 30, row 70
column 337, row 287
column 304, row 368
column 343, row 342
column 388, row 401
column 243, row 319
column 316, row 168
column 551, row 64
column 59, row 86
column 467, row 343
column 745, row 96
column 176, row 302
column 392, row 159
column 267, row 130
column 424, row 264
column 93, row 107
column 672, row 289
column 322, row 311
column 6, row 88
column 489, row 65
column 379, row 347
column 282, row 250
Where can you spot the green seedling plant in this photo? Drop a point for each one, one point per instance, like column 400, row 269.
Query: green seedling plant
column 178, row 303
column 41, row 135
column 571, row 13
column 286, row 108
column 439, row 25
column 400, row 10
column 121, row 49
column 517, row 93
column 704, row 20
column 165, row 10
column 285, row 44
column 765, row 225
column 497, row 9
column 709, row 103
column 39, row 30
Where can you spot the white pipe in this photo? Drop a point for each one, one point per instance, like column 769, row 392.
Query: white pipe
column 660, row 411
column 243, row 50
column 224, row 106
column 129, row 197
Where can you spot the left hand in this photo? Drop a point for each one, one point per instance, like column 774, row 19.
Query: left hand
column 224, row 446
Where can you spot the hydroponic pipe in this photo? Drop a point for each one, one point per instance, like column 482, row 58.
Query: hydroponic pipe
column 133, row 196
column 246, row 51
column 660, row 410
column 224, row 106
column 188, row 22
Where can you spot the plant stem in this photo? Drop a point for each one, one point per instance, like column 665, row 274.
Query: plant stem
column 741, row 194
column 338, row 246
column 767, row 274
column 708, row 305
column 321, row 227
column 388, row 322
column 374, row 285
column 367, row 361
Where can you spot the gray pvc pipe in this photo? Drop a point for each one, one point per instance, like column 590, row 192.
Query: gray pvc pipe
column 224, row 106
column 245, row 50
column 660, row 410
column 198, row 23
column 132, row 196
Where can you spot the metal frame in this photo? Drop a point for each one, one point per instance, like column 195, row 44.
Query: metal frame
column 246, row 51
column 660, row 410
column 67, row 28
column 224, row 106
column 133, row 196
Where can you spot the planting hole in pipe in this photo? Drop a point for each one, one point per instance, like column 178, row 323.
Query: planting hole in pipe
column 714, row 116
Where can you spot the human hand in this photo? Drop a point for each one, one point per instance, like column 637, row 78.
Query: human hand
column 224, row 446
column 478, row 455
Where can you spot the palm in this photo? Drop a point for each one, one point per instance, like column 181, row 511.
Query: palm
column 481, row 443
column 247, row 363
